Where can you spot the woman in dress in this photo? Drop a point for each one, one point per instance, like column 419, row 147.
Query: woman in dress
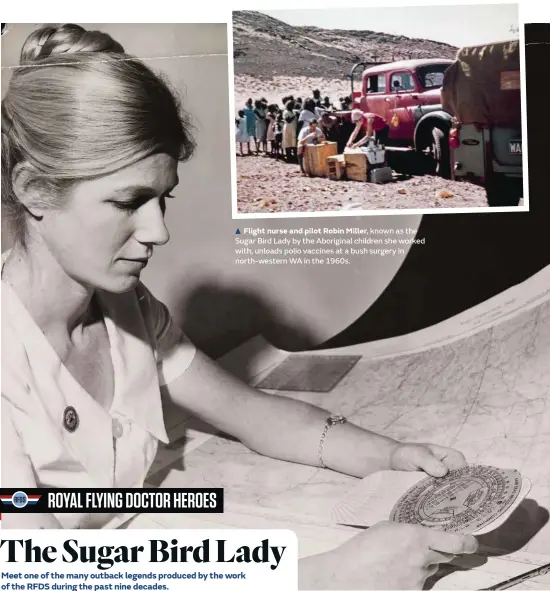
column 290, row 137
column 90, row 153
column 242, row 136
column 250, row 122
column 260, row 112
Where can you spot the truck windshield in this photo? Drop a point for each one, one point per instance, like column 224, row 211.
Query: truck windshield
column 431, row 76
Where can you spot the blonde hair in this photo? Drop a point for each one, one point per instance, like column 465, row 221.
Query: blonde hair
column 356, row 115
column 79, row 107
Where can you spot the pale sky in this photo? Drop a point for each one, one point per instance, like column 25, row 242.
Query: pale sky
column 457, row 25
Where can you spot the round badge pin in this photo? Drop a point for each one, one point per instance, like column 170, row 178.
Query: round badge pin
column 19, row 499
column 70, row 419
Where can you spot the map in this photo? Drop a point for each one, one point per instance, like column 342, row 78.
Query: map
column 485, row 393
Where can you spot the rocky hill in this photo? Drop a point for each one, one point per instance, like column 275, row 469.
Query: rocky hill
column 265, row 47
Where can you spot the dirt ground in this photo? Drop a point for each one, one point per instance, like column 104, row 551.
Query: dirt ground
column 266, row 185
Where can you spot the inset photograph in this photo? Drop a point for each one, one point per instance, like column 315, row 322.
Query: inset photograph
column 401, row 108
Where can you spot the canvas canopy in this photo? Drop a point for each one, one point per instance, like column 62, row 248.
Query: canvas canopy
column 483, row 85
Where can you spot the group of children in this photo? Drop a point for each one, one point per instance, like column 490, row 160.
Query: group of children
column 285, row 132
column 261, row 123
column 275, row 130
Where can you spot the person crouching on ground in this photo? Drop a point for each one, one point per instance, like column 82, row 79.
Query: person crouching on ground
column 373, row 126
column 310, row 135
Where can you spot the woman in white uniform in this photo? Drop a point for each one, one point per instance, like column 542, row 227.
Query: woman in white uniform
column 90, row 149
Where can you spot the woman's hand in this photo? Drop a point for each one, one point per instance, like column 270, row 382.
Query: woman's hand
column 435, row 460
column 386, row 556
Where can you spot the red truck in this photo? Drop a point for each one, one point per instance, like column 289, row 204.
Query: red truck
column 407, row 94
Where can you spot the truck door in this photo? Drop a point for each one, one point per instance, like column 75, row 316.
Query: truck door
column 400, row 101
column 374, row 94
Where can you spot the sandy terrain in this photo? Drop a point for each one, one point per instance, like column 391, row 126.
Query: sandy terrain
column 265, row 185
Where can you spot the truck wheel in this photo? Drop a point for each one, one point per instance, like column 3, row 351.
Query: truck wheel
column 441, row 153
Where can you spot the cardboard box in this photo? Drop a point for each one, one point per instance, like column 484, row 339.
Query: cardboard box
column 356, row 166
column 315, row 158
column 336, row 167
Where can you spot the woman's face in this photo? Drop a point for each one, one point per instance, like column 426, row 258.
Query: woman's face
column 107, row 229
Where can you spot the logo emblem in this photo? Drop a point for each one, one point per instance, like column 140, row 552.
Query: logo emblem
column 20, row 499
column 70, row 419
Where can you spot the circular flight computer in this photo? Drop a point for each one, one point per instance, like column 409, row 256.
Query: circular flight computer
column 463, row 501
